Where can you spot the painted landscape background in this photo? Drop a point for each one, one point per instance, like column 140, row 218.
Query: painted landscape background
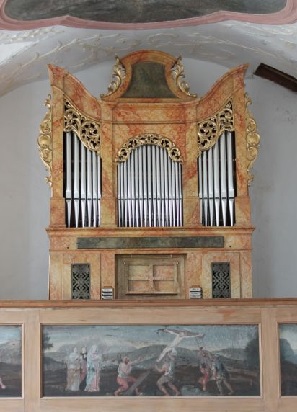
column 235, row 347
column 10, row 361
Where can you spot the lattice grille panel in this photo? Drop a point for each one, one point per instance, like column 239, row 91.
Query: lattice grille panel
column 80, row 281
column 221, row 282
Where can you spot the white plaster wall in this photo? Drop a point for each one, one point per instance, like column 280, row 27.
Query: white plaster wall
column 24, row 204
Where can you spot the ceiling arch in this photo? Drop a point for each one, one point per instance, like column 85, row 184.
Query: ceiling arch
column 79, row 33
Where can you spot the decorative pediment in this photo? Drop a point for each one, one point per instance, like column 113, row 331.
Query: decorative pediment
column 148, row 74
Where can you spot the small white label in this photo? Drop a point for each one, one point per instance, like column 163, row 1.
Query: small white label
column 195, row 293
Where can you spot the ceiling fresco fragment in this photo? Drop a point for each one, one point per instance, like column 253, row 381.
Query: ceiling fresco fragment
column 134, row 11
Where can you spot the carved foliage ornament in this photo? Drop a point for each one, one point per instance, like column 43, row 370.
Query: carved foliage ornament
column 44, row 141
column 179, row 76
column 211, row 129
column 149, row 139
column 252, row 140
column 118, row 76
column 87, row 130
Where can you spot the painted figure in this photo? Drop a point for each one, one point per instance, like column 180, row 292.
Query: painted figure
column 205, row 367
column 167, row 378
column 221, row 376
column 179, row 336
column 73, row 371
column 83, row 369
column 93, row 370
column 125, row 377
column 2, row 386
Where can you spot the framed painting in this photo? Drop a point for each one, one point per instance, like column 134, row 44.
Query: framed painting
column 288, row 358
column 10, row 361
column 150, row 360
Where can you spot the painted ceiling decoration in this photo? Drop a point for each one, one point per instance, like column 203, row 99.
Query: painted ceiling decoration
column 131, row 11
column 77, row 34
column 141, row 13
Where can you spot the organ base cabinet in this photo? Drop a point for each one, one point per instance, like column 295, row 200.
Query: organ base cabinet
column 149, row 184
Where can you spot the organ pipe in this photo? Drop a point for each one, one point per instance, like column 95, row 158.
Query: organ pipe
column 154, row 194
column 217, row 183
column 82, row 183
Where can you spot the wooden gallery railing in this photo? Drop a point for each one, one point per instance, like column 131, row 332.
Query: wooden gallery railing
column 231, row 355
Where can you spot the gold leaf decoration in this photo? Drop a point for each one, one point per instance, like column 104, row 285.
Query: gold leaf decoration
column 149, row 139
column 87, row 129
column 44, row 141
column 210, row 130
column 252, row 140
column 179, row 76
column 118, row 76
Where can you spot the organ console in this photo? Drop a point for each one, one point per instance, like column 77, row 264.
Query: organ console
column 149, row 183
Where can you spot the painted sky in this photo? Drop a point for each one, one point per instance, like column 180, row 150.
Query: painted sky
column 289, row 331
column 124, row 338
column 10, row 333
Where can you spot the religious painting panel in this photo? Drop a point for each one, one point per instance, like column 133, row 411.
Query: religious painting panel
column 150, row 360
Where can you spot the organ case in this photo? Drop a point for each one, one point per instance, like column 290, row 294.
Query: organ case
column 149, row 183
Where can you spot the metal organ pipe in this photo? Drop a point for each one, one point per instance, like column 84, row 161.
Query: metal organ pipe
column 216, row 174
column 230, row 171
column 82, row 183
column 154, row 195
column 217, row 183
column 68, row 190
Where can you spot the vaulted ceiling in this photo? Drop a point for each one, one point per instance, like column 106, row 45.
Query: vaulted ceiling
column 76, row 34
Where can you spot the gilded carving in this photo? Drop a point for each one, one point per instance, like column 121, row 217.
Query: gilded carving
column 252, row 140
column 44, row 141
column 150, row 139
column 118, row 76
column 87, row 130
column 210, row 130
column 179, row 76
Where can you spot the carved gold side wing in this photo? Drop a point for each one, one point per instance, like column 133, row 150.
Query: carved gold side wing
column 44, row 141
column 252, row 140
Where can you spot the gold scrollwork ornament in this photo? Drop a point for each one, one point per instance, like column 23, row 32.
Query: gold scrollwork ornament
column 87, row 130
column 44, row 141
column 179, row 76
column 149, row 139
column 252, row 140
column 118, row 76
column 212, row 128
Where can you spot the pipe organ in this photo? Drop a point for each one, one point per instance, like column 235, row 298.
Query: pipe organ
column 149, row 184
